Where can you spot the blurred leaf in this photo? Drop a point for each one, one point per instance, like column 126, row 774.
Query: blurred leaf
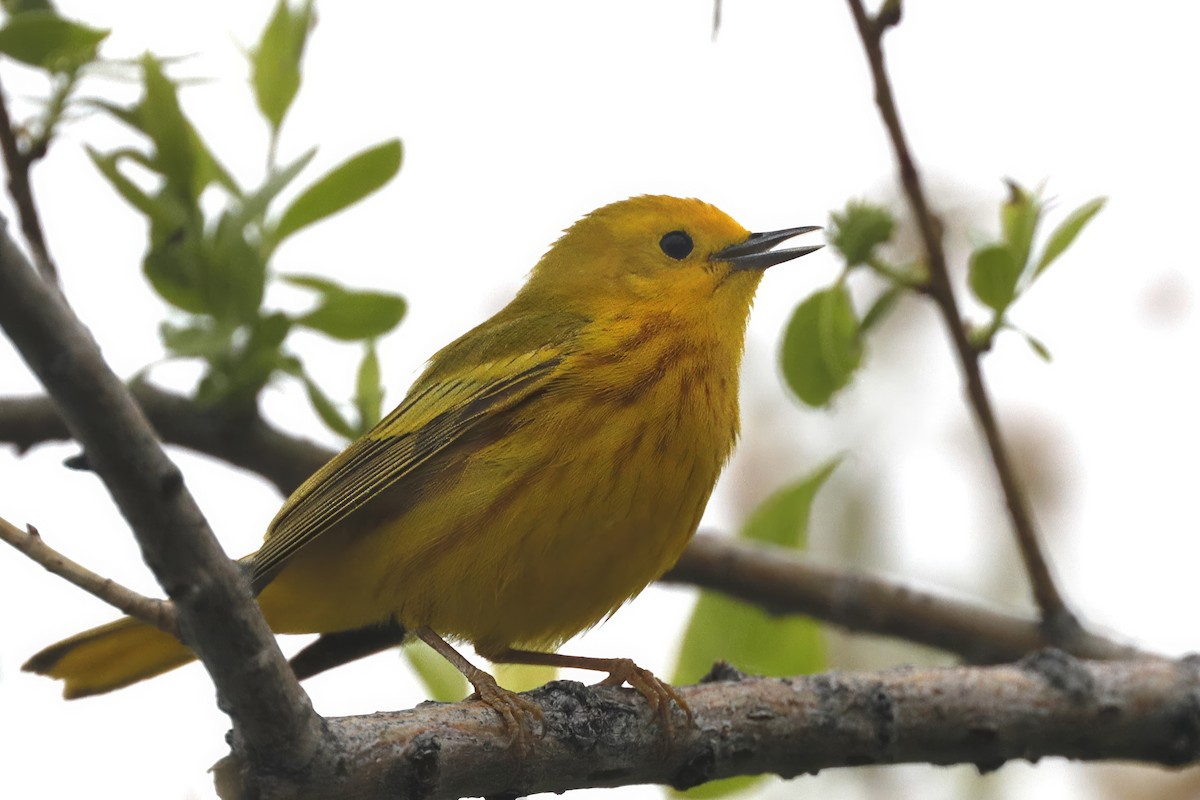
column 41, row 38
column 201, row 339
column 882, row 306
column 858, row 230
column 327, row 410
column 523, row 677
column 174, row 264
column 1018, row 222
column 722, row 787
column 782, row 519
column 1038, row 347
column 993, row 276
column 343, row 186
column 1065, row 234
column 131, row 192
column 275, row 62
column 238, row 376
column 14, row 7
column 368, row 392
column 821, row 346
column 161, row 118
column 443, row 682
column 744, row 634
column 349, row 315
column 234, row 272
column 254, row 207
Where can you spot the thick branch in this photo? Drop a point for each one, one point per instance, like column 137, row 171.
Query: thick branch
column 272, row 716
column 158, row 613
column 1049, row 705
column 1060, row 622
column 786, row 584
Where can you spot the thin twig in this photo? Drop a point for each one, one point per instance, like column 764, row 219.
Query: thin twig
column 18, row 164
column 158, row 613
column 1061, row 624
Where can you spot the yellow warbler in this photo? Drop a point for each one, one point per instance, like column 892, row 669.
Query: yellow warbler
column 547, row 465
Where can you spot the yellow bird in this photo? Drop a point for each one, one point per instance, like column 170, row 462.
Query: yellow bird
column 546, row 467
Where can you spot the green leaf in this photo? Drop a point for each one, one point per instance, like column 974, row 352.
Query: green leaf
column 782, row 519
column 821, row 346
column 722, row 787
column 254, row 207
column 203, row 338
column 234, row 271
column 1038, row 347
column 1018, row 222
column 41, row 38
column 1065, row 234
column 349, row 315
column 326, row 410
column 368, row 391
column 343, row 186
column 443, row 682
column 882, row 306
column 858, row 230
column 275, row 62
column 130, row 191
column 161, row 118
column 15, row 7
column 523, row 677
column 993, row 276
column 744, row 634
column 235, row 378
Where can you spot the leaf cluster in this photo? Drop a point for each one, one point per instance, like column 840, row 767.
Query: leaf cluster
column 213, row 262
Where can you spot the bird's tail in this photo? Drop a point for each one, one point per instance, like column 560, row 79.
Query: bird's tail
column 110, row 657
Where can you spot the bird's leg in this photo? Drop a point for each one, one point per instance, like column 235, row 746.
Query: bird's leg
column 658, row 693
column 511, row 706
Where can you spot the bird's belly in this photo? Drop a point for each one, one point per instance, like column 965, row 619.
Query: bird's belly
column 534, row 539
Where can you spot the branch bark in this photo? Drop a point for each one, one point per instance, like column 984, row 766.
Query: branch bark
column 600, row 736
column 273, row 719
column 1061, row 624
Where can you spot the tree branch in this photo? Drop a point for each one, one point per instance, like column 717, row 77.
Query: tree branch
column 601, row 736
column 158, row 613
column 1061, row 624
column 273, row 719
column 246, row 441
column 784, row 583
column 18, row 163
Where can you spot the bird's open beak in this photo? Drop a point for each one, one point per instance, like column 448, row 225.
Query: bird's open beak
column 756, row 253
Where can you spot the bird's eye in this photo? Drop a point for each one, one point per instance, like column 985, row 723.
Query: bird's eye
column 676, row 244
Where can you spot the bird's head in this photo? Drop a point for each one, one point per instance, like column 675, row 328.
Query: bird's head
column 660, row 251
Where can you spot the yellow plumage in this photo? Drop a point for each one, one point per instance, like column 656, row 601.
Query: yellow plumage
column 546, row 466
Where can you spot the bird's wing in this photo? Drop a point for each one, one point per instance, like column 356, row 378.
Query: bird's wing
column 437, row 412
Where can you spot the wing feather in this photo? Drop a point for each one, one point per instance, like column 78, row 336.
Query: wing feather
column 432, row 417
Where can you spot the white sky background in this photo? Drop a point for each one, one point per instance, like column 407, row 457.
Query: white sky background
column 519, row 117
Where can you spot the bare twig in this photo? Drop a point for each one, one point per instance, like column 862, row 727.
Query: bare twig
column 18, row 163
column 787, row 584
column 273, row 720
column 158, row 613
column 1060, row 623
column 1050, row 704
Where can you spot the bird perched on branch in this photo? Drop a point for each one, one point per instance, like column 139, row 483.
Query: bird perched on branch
column 546, row 467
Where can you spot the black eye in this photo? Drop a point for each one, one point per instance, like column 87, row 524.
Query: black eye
column 676, row 244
